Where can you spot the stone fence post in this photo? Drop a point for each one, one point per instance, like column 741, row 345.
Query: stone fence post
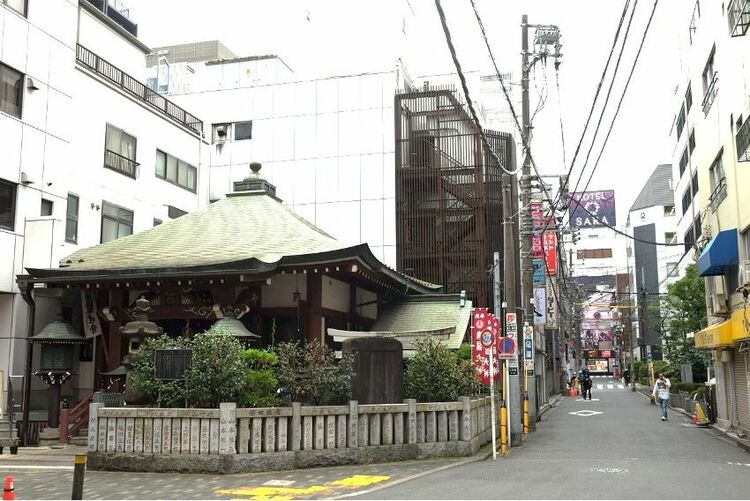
column 466, row 431
column 227, row 428
column 296, row 426
column 93, row 431
column 412, row 421
column 353, row 431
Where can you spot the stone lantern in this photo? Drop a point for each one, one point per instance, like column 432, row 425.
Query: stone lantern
column 135, row 332
column 56, row 367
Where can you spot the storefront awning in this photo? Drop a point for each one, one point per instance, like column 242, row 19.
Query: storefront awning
column 721, row 251
column 714, row 336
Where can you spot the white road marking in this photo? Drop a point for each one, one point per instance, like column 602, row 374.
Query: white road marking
column 600, row 387
column 34, row 467
column 610, row 386
column 621, row 386
column 610, row 470
column 587, row 400
column 585, row 413
column 739, row 464
column 279, row 483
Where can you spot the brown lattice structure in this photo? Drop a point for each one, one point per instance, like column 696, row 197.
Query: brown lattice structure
column 448, row 193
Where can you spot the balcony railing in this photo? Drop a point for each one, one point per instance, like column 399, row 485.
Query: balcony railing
column 121, row 164
column 711, row 91
column 137, row 89
column 117, row 14
column 738, row 17
column 743, row 142
column 718, row 195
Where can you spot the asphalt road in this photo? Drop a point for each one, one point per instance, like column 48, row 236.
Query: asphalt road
column 623, row 452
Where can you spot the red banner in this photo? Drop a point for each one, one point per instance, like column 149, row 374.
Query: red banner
column 485, row 335
column 549, row 243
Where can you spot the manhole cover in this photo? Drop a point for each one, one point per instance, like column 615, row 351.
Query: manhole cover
column 610, row 470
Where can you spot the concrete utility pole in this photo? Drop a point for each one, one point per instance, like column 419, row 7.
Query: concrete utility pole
column 527, row 286
column 510, row 251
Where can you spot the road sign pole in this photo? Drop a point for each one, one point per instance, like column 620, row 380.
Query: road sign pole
column 492, row 402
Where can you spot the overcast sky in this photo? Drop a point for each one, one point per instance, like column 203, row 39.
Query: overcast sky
column 327, row 37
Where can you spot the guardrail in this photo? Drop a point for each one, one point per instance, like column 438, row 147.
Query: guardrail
column 229, row 439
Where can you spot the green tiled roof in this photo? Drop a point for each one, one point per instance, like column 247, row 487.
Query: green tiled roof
column 249, row 225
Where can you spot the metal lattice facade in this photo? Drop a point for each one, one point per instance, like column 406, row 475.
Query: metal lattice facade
column 448, row 193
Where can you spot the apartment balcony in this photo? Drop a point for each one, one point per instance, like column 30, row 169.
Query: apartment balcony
column 137, row 89
column 117, row 12
column 718, row 195
column 743, row 142
column 121, row 164
column 711, row 91
column 738, row 17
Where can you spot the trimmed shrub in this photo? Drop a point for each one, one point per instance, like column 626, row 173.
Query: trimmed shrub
column 261, row 386
column 434, row 374
column 309, row 373
column 218, row 370
column 141, row 380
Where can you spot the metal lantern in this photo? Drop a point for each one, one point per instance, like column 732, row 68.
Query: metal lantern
column 57, row 340
column 231, row 324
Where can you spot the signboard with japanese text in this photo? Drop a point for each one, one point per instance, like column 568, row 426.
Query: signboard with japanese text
column 551, row 305
column 549, row 245
column 590, row 209
column 538, row 265
column 540, row 306
column 485, row 335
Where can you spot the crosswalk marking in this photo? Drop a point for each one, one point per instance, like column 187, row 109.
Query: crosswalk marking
column 600, row 387
column 610, row 386
column 620, row 386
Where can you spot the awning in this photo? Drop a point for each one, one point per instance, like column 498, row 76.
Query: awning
column 714, row 336
column 721, row 251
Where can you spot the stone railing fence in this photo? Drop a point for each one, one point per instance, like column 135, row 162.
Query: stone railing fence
column 229, row 439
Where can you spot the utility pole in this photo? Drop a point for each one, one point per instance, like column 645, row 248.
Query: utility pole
column 510, row 293
column 628, row 328
column 527, row 287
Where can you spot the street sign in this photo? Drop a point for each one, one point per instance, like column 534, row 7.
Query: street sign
column 513, row 371
column 507, row 349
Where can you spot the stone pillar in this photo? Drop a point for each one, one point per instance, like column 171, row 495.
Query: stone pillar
column 412, row 420
column 465, row 418
column 93, row 432
column 296, row 426
column 353, row 431
column 227, row 428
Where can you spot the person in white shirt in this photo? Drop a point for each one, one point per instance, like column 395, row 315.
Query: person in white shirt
column 661, row 392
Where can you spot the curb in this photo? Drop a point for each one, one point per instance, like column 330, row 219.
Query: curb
column 551, row 405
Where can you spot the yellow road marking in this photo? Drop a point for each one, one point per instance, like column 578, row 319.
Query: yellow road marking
column 266, row 493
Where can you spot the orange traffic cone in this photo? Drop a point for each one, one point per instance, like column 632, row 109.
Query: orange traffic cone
column 8, row 489
column 694, row 418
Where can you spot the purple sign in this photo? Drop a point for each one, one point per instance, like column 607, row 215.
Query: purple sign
column 589, row 209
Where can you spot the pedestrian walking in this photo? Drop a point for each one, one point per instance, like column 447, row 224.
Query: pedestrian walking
column 661, row 393
column 587, row 384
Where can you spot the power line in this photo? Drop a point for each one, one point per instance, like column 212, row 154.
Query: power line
column 465, row 87
column 609, row 93
column 622, row 97
column 559, row 113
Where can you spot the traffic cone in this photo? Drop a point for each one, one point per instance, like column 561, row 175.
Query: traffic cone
column 8, row 489
column 694, row 418
column 700, row 416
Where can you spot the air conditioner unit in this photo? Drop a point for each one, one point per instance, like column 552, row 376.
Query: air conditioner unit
column 719, row 304
column 745, row 273
column 221, row 133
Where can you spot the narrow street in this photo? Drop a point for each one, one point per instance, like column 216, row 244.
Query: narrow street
column 620, row 449
column 623, row 452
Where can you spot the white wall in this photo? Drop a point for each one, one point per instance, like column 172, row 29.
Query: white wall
column 102, row 39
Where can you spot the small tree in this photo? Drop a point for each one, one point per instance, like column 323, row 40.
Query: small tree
column 218, row 370
column 309, row 373
column 140, row 366
column 261, row 385
column 435, row 375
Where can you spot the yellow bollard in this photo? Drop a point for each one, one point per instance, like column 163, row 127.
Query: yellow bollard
column 526, row 414
column 503, row 429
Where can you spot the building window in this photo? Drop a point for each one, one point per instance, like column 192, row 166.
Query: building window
column 174, row 212
column 746, row 243
column 687, row 198
column 117, row 222
column 175, row 171
column 694, row 183
column 697, row 227
column 691, row 141
column 680, row 121
column 688, row 99
column 718, row 183
column 672, row 270
column 17, row 5
column 7, row 205
column 710, row 82
column 47, row 206
column 669, row 210
column 689, row 239
column 669, row 236
column 594, row 254
column 157, row 222
column 11, row 91
column 683, row 162
column 71, row 219
column 119, row 152
column 243, row 130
